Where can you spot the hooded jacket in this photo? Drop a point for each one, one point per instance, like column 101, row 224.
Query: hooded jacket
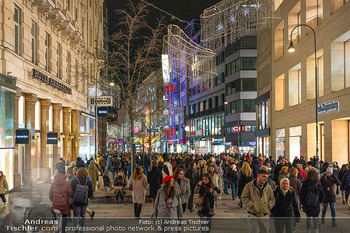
column 60, row 192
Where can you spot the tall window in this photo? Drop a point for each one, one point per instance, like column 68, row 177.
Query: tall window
column 17, row 19
column 320, row 76
column 34, row 42
column 47, row 52
column 279, row 93
column 347, row 63
column 59, row 63
column 69, row 68
column 295, row 85
column 314, row 12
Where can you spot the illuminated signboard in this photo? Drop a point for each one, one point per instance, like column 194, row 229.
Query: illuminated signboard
column 170, row 87
column 102, row 112
column 165, row 68
column 328, row 107
column 236, row 129
column 170, row 132
column 22, row 136
column 52, row 138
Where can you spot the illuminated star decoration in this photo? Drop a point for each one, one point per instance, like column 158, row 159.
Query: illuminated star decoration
column 258, row 5
column 232, row 19
column 246, row 12
column 220, row 27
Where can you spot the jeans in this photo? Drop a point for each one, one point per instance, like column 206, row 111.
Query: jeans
column 324, row 210
column 2, row 196
column 145, row 170
column 62, row 219
column 287, row 223
column 258, row 224
column 79, row 214
column 234, row 188
column 190, row 200
column 308, row 222
column 225, row 187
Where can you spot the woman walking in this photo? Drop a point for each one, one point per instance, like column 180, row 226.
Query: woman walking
column 329, row 183
column 60, row 193
column 182, row 185
column 311, row 195
column 207, row 194
column 80, row 186
column 3, row 187
column 233, row 176
column 138, row 185
column 295, row 183
column 286, row 209
column 192, row 175
column 119, row 186
column 214, row 175
column 245, row 176
column 342, row 172
column 168, row 200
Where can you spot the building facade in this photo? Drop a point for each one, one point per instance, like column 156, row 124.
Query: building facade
column 286, row 106
column 221, row 114
column 49, row 53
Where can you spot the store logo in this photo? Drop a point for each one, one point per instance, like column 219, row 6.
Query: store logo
column 328, row 107
column 52, row 82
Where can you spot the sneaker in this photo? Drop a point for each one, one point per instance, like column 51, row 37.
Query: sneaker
column 92, row 215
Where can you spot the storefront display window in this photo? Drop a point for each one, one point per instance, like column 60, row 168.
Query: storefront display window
column 263, row 115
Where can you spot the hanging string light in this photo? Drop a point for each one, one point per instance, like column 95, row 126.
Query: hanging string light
column 229, row 20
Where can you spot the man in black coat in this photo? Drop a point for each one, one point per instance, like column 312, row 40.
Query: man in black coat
column 154, row 178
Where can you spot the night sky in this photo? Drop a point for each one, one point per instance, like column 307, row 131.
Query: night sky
column 183, row 9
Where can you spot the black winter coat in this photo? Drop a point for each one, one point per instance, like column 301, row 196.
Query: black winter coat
column 285, row 205
column 242, row 181
column 311, row 211
column 154, row 178
column 329, row 185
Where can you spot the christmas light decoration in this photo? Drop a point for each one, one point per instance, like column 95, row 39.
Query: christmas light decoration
column 229, row 20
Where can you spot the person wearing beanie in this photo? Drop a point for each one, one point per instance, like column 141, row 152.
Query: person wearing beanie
column 329, row 183
column 286, row 210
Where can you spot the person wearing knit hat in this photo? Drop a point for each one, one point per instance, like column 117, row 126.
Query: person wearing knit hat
column 285, row 208
column 168, row 201
column 329, row 183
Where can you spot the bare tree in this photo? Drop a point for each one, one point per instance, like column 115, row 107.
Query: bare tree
column 135, row 50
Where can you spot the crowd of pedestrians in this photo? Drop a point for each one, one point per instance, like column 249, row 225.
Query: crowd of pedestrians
column 179, row 182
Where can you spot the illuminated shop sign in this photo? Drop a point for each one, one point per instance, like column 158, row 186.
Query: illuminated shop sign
column 52, row 82
column 170, row 87
column 22, row 136
column 328, row 107
column 52, row 138
column 102, row 112
column 238, row 129
column 170, row 132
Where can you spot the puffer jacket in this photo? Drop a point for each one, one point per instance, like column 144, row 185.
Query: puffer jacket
column 285, row 205
column 257, row 205
column 60, row 192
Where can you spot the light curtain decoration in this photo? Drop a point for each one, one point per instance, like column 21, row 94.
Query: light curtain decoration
column 229, row 20
column 184, row 61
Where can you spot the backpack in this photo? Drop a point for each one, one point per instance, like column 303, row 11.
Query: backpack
column 234, row 176
column 312, row 196
column 81, row 193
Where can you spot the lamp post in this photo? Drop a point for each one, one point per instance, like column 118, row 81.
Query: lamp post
column 291, row 49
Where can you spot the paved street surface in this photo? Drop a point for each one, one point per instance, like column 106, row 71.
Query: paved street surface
column 228, row 217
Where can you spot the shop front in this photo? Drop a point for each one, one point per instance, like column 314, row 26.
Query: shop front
column 7, row 98
column 295, row 142
column 87, row 134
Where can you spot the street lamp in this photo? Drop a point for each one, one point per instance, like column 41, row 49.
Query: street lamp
column 291, row 49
